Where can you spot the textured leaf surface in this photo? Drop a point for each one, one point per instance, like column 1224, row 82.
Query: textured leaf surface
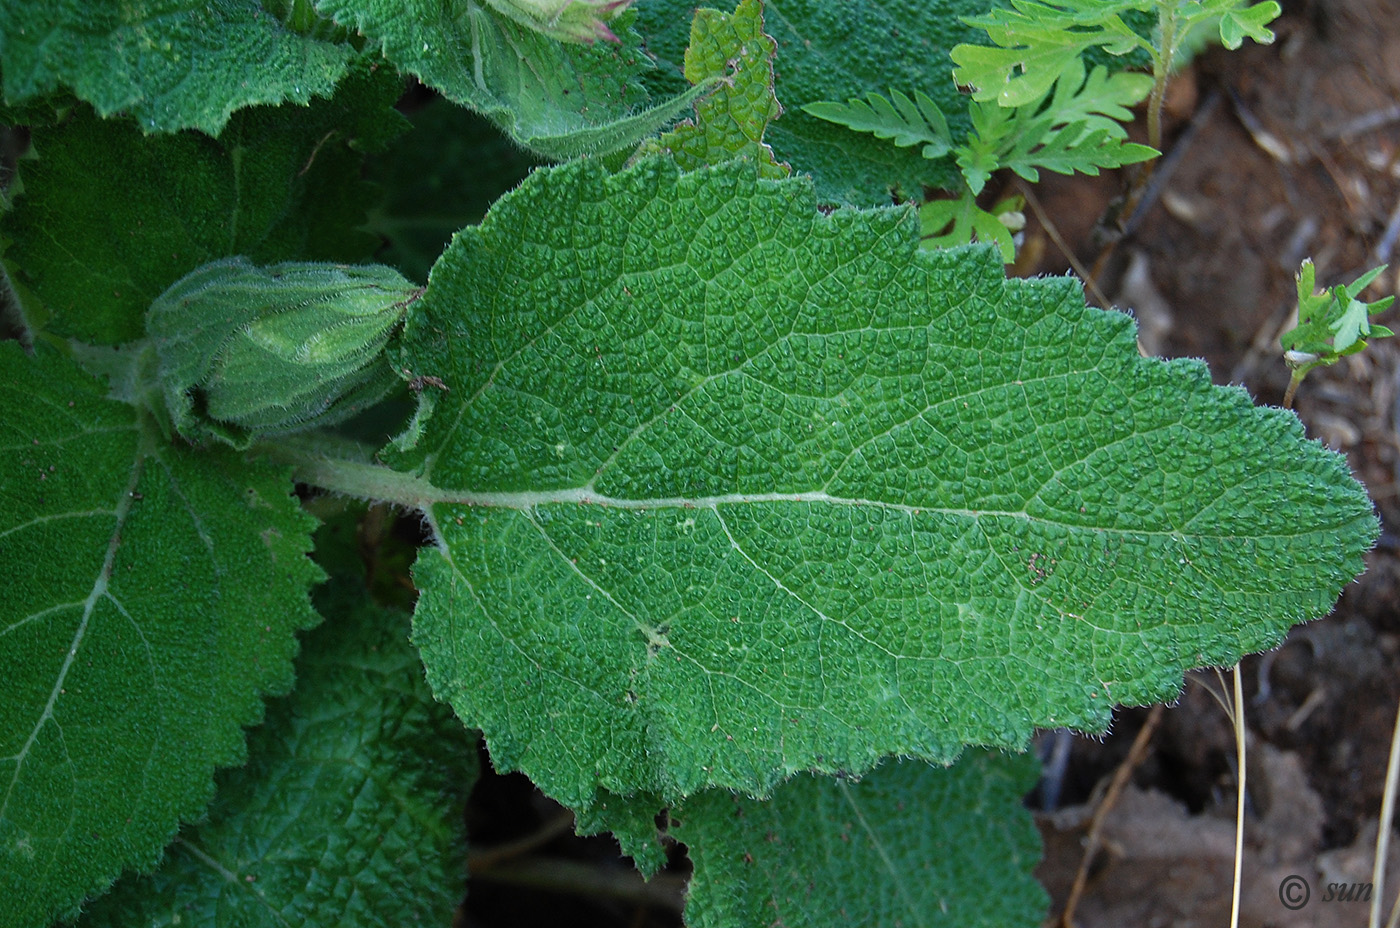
column 727, row 489
column 172, row 64
column 730, row 122
column 350, row 809
column 836, row 50
column 152, row 596
column 110, row 218
column 559, row 99
column 909, row 844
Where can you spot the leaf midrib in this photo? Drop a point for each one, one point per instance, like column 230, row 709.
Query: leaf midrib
column 384, row 484
column 99, row 589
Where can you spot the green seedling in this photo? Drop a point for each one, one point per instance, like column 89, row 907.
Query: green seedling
column 1332, row 324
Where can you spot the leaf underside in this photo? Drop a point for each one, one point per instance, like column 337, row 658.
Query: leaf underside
column 153, row 596
column 558, row 99
column 726, row 489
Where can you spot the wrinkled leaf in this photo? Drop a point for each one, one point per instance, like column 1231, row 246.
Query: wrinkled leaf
column 152, row 597
column 908, row 844
column 726, row 489
column 172, row 64
column 110, row 218
column 349, row 811
column 731, row 120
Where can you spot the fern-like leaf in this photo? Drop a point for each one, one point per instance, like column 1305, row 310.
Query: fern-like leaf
column 1075, row 126
column 906, row 122
column 950, row 223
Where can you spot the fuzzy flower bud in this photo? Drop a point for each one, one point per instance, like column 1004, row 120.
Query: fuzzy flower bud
column 248, row 351
column 565, row 20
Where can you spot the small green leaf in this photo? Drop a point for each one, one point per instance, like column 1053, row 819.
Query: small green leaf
column 349, row 811
column 110, row 218
column 741, row 489
column 152, row 598
column 907, row 122
column 733, row 53
column 1039, row 41
column 1332, row 324
column 990, row 71
column 1251, row 23
column 561, row 100
column 908, row 844
column 950, row 223
column 172, row 64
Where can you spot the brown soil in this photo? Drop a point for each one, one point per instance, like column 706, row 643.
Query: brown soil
column 1275, row 154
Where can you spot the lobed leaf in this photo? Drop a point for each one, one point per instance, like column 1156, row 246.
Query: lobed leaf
column 906, row 121
column 1075, row 126
column 153, row 597
column 1037, row 41
column 908, row 844
column 349, row 810
column 952, row 222
column 171, row 64
column 726, row 489
column 734, row 53
column 1252, row 22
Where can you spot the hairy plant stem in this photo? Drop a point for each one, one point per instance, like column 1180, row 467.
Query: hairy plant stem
column 1292, row 390
column 346, row 468
column 1161, row 73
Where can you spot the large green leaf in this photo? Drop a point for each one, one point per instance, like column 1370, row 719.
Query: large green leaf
column 110, row 218
column 350, row 809
column 172, row 64
column 726, row 489
column 836, row 50
column 909, row 844
column 152, row 595
column 561, row 100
